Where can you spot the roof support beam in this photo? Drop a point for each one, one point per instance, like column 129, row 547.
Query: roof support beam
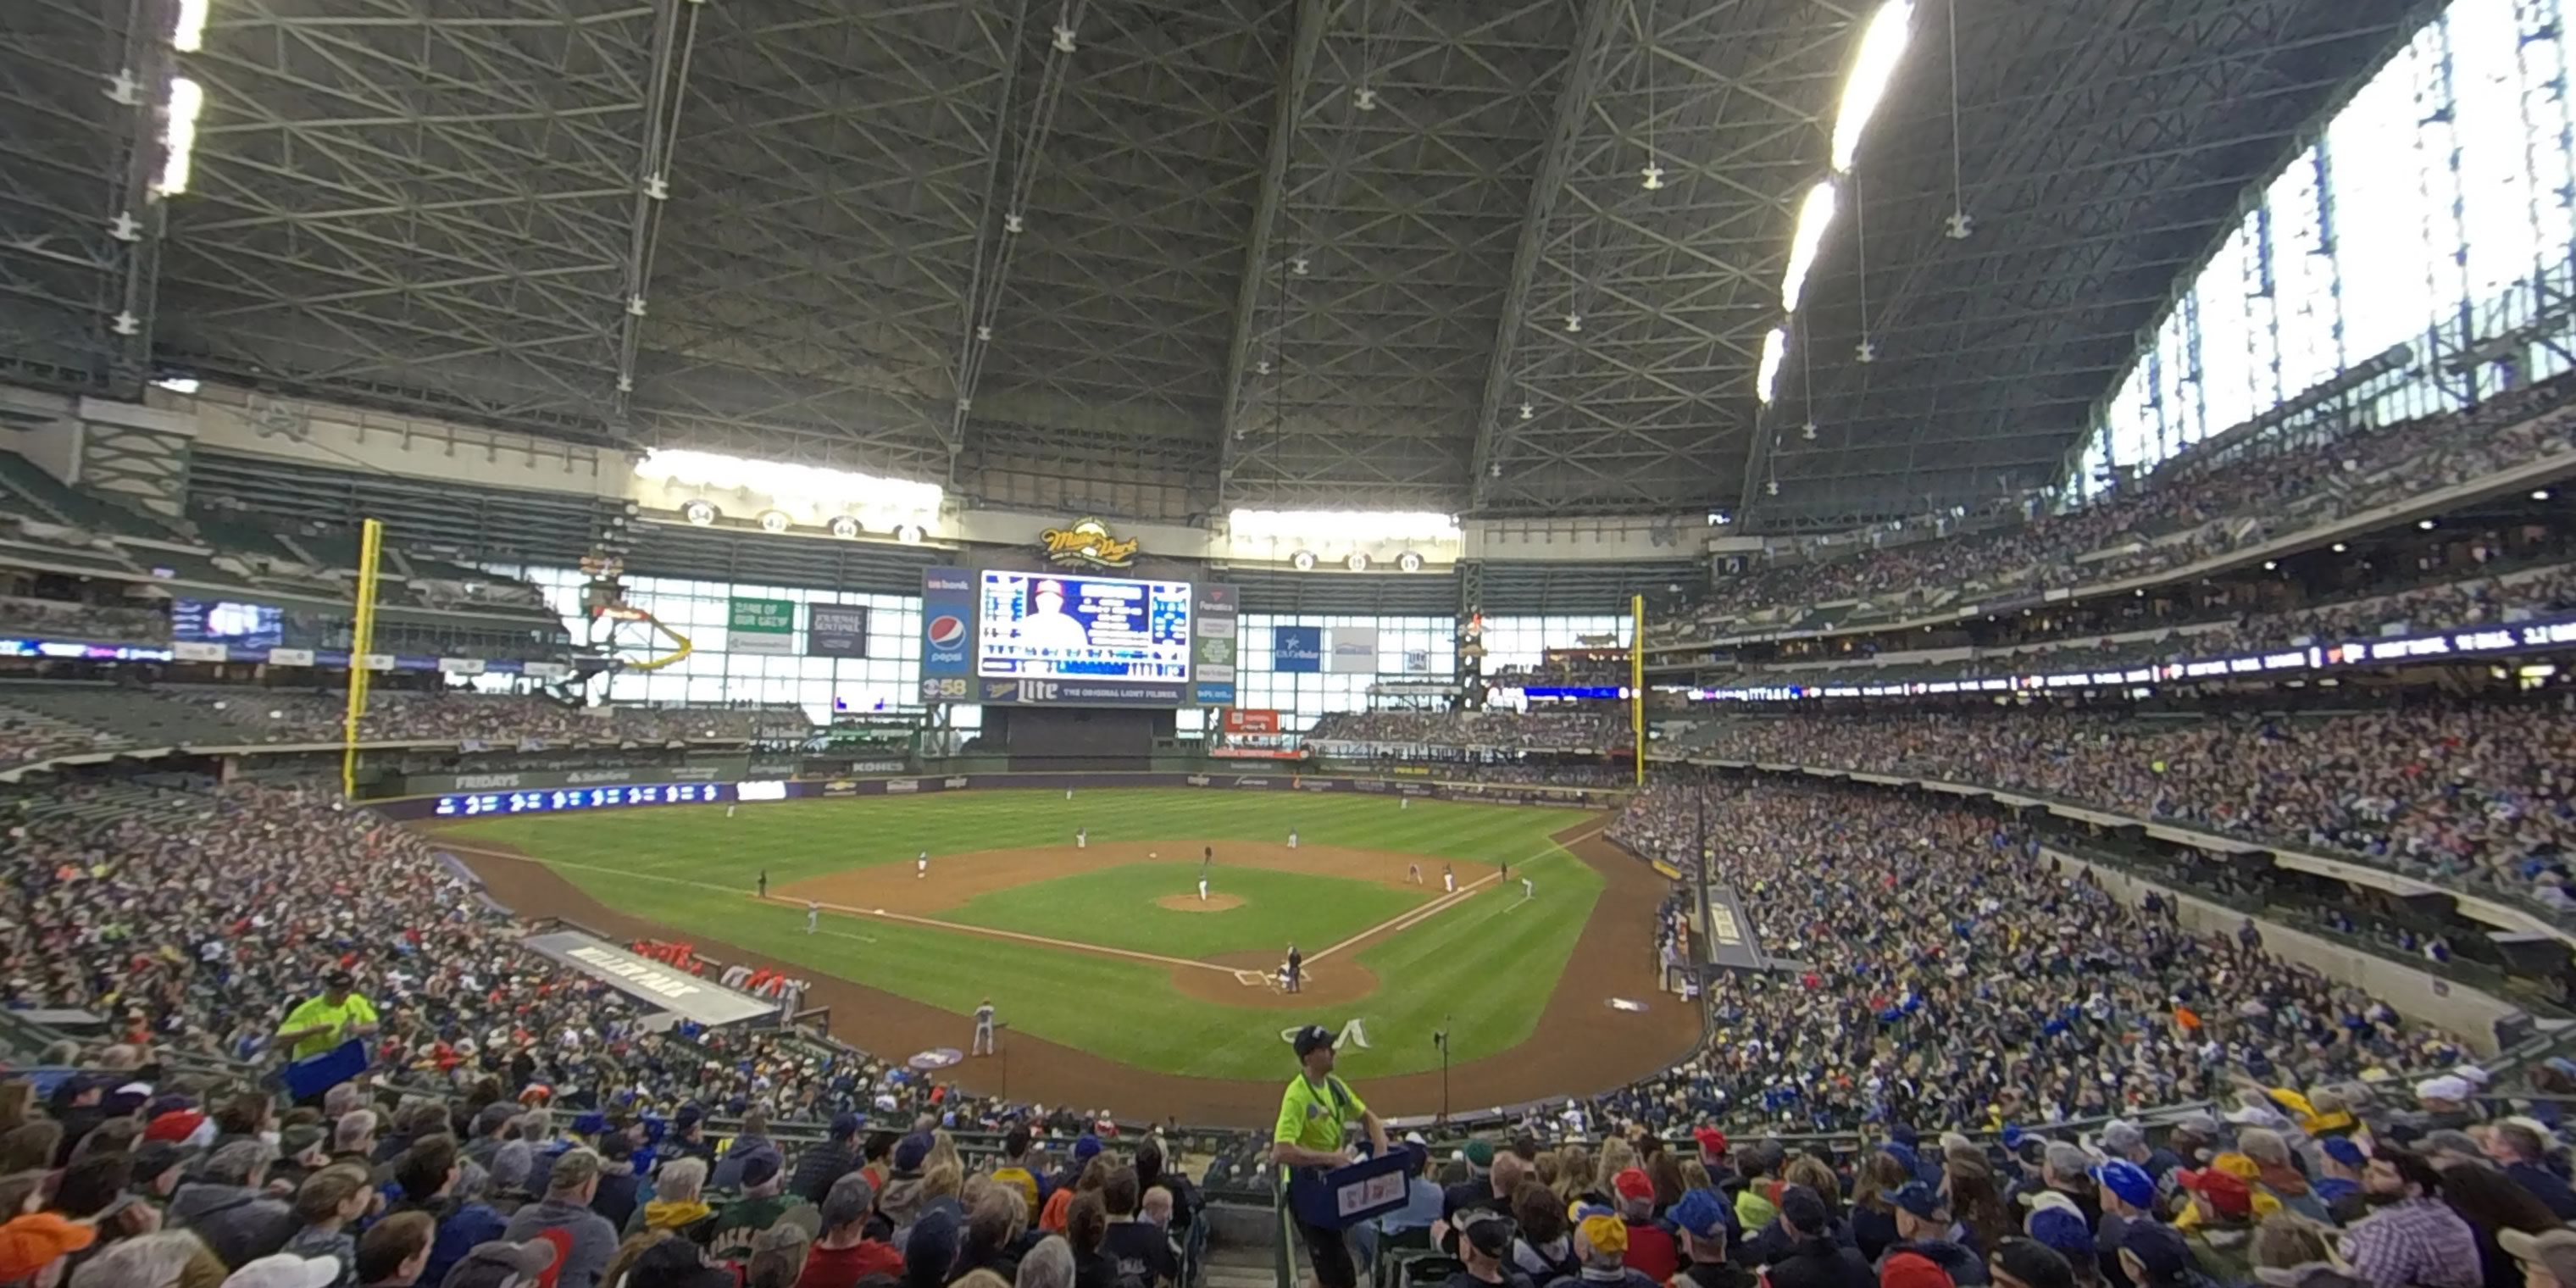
column 135, row 225
column 1296, row 73
column 1010, row 169
column 675, row 34
column 1573, row 109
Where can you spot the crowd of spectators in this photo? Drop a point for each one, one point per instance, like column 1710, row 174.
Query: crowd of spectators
column 503, row 720
column 193, row 920
column 2442, row 788
column 1933, row 966
column 79, row 619
column 2193, row 509
column 1537, row 730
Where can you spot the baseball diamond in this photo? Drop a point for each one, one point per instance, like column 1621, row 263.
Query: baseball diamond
column 1120, row 987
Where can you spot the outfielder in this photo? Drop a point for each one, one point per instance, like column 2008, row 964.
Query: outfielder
column 984, row 1028
column 812, row 912
column 921, row 864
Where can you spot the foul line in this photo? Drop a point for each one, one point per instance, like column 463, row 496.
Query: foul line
column 989, row 932
column 1408, row 920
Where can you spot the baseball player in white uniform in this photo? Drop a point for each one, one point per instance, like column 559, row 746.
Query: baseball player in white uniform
column 1082, row 838
column 1202, row 889
column 921, row 864
column 1528, row 891
column 812, row 913
column 1448, row 879
column 1292, row 838
column 984, row 1028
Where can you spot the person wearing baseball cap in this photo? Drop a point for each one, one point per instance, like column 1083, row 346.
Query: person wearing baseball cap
column 333, row 1016
column 2221, row 1223
column 1706, row 1224
column 500, row 1263
column 2154, row 1255
column 1315, row 1111
column 2127, row 1195
column 2548, row 1258
column 1485, row 1246
column 1651, row 1250
column 1924, row 1229
column 1601, row 1243
column 2028, row 1263
column 2340, row 1160
column 1815, row 1259
column 36, row 1240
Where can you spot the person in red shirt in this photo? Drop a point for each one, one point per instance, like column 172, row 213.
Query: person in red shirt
column 1651, row 1250
column 843, row 1254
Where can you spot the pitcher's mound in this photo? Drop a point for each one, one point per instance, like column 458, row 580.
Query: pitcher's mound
column 1193, row 903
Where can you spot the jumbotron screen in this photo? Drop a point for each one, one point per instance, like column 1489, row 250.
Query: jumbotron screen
column 1040, row 624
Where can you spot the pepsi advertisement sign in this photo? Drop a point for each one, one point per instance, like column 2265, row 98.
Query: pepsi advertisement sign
column 947, row 624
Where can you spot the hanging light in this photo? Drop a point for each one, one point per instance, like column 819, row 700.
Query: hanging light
column 1775, row 349
column 1815, row 215
column 1881, row 47
column 188, row 32
column 186, row 98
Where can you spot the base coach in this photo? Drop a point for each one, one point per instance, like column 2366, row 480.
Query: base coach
column 1313, row 1112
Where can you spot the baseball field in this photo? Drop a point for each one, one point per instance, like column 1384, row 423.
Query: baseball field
column 1514, row 927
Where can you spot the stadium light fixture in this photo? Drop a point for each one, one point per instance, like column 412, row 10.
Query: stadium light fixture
column 1882, row 46
column 186, row 98
column 1342, row 525
column 1815, row 215
column 1775, row 349
column 188, row 30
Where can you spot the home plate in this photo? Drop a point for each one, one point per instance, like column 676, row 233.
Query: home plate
column 1623, row 1004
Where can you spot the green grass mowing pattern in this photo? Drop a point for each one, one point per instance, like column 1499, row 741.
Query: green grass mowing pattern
column 1486, row 966
column 1115, row 908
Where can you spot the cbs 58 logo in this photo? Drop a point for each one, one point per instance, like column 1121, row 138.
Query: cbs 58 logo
column 935, row 689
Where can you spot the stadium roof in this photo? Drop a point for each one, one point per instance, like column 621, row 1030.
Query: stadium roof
column 1313, row 253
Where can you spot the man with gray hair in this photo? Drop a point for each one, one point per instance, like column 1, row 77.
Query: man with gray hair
column 147, row 1261
column 2067, row 1169
column 353, row 1138
column 2521, row 1147
column 566, row 1207
column 229, row 1207
column 1048, row 1265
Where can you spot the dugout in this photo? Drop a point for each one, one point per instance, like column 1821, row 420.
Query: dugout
column 1106, row 739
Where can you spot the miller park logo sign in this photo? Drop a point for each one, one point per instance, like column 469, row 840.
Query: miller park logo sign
column 1087, row 544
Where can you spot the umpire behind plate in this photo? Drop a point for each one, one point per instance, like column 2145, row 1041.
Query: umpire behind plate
column 1312, row 1114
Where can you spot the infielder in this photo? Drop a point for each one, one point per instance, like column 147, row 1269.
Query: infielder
column 1413, row 873
column 812, row 912
column 1202, row 888
column 764, row 883
column 984, row 1028
column 1448, row 879
column 1082, row 838
column 921, row 864
column 1207, row 855
column 1292, row 838
column 1528, row 891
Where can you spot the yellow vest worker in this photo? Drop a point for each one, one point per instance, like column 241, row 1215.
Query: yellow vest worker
column 1313, row 1112
column 325, row 1021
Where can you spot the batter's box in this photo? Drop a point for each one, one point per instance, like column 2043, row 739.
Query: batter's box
column 1255, row 979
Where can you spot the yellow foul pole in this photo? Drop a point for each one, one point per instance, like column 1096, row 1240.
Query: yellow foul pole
column 362, row 641
column 1637, row 680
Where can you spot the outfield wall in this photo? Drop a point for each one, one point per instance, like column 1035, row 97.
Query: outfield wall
column 572, row 800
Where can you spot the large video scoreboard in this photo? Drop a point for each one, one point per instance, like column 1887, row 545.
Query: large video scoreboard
column 1074, row 639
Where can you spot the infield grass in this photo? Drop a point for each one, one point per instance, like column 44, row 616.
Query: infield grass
column 1485, row 966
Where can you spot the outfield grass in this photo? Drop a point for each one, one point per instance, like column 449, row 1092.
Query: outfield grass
column 1282, row 908
column 1484, row 967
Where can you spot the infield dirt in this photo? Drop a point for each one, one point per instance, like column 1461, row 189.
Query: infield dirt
column 1580, row 1045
